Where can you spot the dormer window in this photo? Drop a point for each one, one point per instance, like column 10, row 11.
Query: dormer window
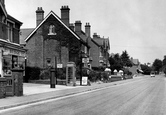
column 51, row 30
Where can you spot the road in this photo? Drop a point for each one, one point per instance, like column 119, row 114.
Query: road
column 142, row 96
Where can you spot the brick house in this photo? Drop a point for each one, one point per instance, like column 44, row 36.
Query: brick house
column 98, row 53
column 94, row 48
column 11, row 53
column 52, row 37
column 103, row 53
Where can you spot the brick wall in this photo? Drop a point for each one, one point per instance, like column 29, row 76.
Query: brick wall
column 94, row 53
column 35, row 51
column 51, row 45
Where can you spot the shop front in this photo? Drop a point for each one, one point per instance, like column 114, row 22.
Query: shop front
column 12, row 59
column 12, row 66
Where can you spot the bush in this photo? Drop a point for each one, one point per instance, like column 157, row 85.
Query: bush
column 31, row 73
column 44, row 74
column 93, row 76
column 127, row 72
column 105, row 76
column 98, row 75
column 61, row 73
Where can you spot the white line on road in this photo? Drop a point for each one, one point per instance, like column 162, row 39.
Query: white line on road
column 64, row 97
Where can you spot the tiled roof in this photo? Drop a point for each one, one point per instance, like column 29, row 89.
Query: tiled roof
column 41, row 23
column 99, row 41
column 3, row 9
column 135, row 61
column 13, row 19
column 24, row 33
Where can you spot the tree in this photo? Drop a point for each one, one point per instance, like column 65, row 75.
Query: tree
column 125, row 58
column 146, row 69
column 164, row 64
column 115, row 62
column 164, row 61
column 157, row 65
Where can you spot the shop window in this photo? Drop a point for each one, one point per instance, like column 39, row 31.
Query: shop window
column 12, row 62
column 51, row 30
column 7, row 65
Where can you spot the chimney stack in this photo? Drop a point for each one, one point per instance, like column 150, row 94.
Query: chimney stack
column 78, row 26
column 71, row 26
column 65, row 15
column 39, row 15
column 95, row 35
column 87, row 30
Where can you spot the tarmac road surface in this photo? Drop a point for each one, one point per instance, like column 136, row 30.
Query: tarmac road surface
column 140, row 97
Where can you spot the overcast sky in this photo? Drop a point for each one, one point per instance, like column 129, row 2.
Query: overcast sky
column 138, row 26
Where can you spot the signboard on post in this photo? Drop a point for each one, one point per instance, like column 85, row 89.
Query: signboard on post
column 84, row 80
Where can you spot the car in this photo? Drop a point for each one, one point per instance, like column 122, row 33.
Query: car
column 152, row 74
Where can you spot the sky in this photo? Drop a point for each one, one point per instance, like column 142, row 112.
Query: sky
column 137, row 26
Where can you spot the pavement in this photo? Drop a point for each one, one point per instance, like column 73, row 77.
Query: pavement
column 33, row 93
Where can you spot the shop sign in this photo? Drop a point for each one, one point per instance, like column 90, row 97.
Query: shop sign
column 7, row 51
column 59, row 65
column 69, row 64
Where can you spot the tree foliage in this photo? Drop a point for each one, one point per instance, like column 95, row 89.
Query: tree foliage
column 146, row 69
column 164, row 64
column 118, row 61
column 125, row 58
column 115, row 62
column 164, row 61
column 157, row 65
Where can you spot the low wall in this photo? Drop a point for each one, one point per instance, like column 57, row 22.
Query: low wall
column 115, row 78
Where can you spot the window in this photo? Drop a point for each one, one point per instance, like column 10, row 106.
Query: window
column 85, row 50
column 100, row 55
column 11, row 62
column 10, row 32
column 48, row 63
column 51, row 30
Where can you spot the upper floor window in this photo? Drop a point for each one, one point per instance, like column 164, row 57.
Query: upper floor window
column 85, row 50
column 51, row 30
column 10, row 31
column 100, row 53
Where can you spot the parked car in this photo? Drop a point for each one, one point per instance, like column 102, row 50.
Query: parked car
column 152, row 74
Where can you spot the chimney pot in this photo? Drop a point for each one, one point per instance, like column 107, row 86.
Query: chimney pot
column 78, row 26
column 65, row 16
column 39, row 15
column 87, row 30
column 71, row 26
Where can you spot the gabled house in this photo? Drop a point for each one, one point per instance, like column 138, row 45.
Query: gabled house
column 51, row 39
column 11, row 53
column 135, row 66
column 94, row 48
column 91, row 55
column 97, row 55
column 104, row 49
column 85, row 51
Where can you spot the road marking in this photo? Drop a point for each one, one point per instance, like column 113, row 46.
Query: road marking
column 64, row 97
